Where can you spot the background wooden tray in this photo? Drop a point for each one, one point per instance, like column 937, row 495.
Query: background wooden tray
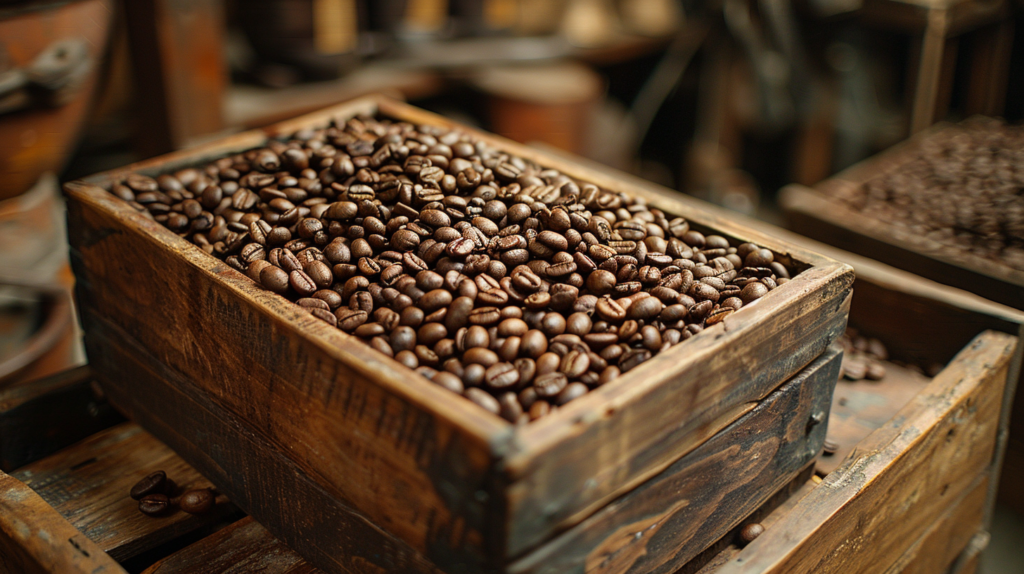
column 818, row 215
column 371, row 450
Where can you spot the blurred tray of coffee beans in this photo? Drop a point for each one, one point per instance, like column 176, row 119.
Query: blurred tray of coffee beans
column 947, row 204
column 259, row 385
column 905, row 483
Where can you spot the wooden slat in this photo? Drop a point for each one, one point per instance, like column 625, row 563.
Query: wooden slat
column 88, row 485
column 42, row 416
column 938, row 548
column 241, row 548
column 35, row 539
column 868, row 512
column 671, row 518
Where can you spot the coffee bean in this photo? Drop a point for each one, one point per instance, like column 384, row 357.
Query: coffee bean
column 199, row 501
column 571, row 392
column 483, row 399
column 574, row 364
column 749, row 532
column 550, row 384
column 154, row 504
column 501, row 376
column 154, row 483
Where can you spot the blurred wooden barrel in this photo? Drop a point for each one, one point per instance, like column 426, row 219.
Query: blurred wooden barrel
column 41, row 133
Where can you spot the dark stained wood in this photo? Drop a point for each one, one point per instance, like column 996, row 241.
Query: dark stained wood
column 240, row 548
column 179, row 70
column 88, row 485
column 671, row 518
column 458, row 485
column 35, row 539
column 865, row 515
column 45, row 415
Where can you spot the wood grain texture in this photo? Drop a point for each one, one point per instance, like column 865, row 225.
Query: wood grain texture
column 241, row 548
column 671, row 518
column 35, row 539
column 816, row 214
column 460, row 484
column 866, row 514
column 88, row 484
column 861, row 407
column 940, row 546
column 254, row 473
column 43, row 416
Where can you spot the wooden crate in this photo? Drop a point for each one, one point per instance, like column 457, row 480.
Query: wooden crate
column 87, row 484
column 849, row 520
column 378, row 463
column 912, row 496
column 818, row 215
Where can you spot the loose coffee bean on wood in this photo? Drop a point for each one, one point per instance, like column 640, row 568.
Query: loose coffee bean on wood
column 154, row 504
column 198, row 501
column 490, row 275
column 155, row 483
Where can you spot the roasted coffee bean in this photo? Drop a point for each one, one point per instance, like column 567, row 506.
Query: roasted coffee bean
column 154, row 504
column 501, row 376
column 483, row 399
column 750, row 532
column 154, row 483
column 550, row 384
column 571, row 392
column 199, row 501
column 473, row 267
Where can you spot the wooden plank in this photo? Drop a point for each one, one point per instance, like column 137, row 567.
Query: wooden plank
column 861, row 407
column 864, row 515
column 43, row 416
column 671, row 518
column 35, row 539
column 88, row 485
column 938, row 548
column 241, row 548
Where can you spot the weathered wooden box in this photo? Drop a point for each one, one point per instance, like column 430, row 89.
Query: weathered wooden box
column 911, row 492
column 818, row 214
column 355, row 460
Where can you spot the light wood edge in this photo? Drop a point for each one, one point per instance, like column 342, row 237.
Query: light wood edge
column 478, row 424
column 866, row 463
column 44, row 536
column 500, row 435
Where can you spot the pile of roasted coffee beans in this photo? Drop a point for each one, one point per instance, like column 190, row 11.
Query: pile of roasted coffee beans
column 155, row 493
column 493, row 277
column 964, row 188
